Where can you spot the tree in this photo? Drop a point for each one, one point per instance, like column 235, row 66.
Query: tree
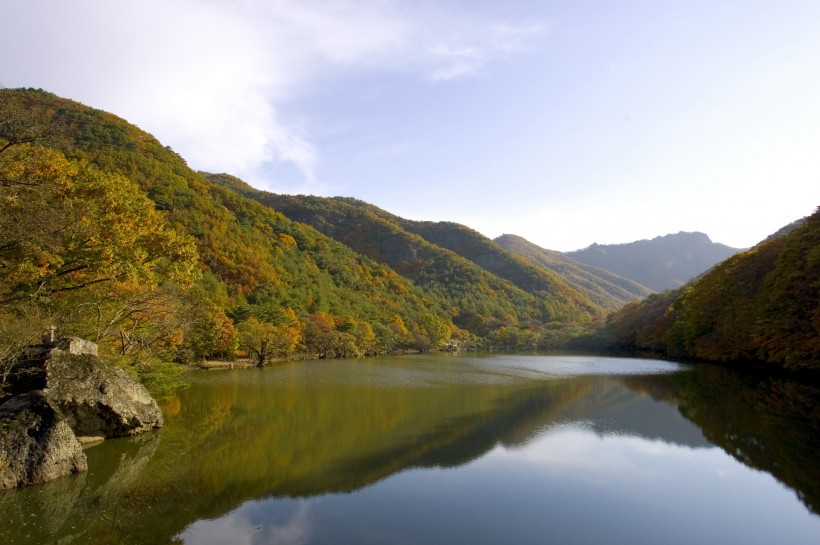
column 264, row 340
column 20, row 123
column 436, row 330
column 19, row 328
column 67, row 226
column 208, row 332
column 255, row 338
column 321, row 336
column 85, row 248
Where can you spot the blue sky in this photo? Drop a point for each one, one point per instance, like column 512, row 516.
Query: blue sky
column 564, row 122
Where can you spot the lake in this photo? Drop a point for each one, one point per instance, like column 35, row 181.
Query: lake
column 451, row 449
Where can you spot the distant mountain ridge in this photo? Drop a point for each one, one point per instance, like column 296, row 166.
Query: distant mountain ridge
column 418, row 249
column 448, row 259
column 662, row 263
column 761, row 305
column 604, row 288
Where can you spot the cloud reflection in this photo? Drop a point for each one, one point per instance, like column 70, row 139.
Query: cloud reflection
column 575, row 449
column 253, row 524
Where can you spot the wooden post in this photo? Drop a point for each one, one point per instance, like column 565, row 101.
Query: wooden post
column 50, row 335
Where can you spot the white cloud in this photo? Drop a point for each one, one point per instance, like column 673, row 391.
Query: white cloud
column 210, row 77
column 253, row 523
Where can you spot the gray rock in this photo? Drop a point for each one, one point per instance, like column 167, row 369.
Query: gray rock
column 76, row 345
column 36, row 443
column 97, row 397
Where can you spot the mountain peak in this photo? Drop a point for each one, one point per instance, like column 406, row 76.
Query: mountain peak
column 662, row 263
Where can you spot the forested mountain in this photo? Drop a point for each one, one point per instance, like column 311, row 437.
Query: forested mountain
column 210, row 272
column 602, row 287
column 662, row 263
column 762, row 305
column 111, row 236
column 479, row 278
column 487, row 254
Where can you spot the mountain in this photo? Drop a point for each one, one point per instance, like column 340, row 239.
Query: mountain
column 604, row 288
column 476, row 276
column 761, row 305
column 261, row 280
column 662, row 263
column 110, row 235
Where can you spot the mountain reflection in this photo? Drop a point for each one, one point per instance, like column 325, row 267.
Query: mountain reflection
column 766, row 422
column 312, row 428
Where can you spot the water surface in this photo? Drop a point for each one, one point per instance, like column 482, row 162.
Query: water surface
column 444, row 449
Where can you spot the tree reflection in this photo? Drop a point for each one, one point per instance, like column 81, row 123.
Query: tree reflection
column 766, row 422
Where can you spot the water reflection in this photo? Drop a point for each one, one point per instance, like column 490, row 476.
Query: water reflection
column 308, row 452
column 766, row 422
column 570, row 485
column 63, row 510
column 289, row 523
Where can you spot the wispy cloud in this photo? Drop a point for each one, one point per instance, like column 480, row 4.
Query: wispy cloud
column 212, row 78
column 255, row 523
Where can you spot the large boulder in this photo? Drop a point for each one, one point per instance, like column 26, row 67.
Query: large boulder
column 98, row 398
column 36, row 443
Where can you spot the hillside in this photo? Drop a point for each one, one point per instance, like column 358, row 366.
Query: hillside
column 479, row 278
column 259, row 281
column 663, row 263
column 604, row 288
column 490, row 256
column 762, row 305
column 114, row 238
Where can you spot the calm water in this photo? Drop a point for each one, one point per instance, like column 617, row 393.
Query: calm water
column 450, row 449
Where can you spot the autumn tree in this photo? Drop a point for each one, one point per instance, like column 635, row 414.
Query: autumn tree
column 67, row 226
column 321, row 337
column 255, row 338
column 263, row 340
column 208, row 332
column 84, row 247
column 19, row 328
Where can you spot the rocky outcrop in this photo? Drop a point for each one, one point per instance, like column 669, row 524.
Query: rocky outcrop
column 98, row 398
column 29, row 371
column 63, row 394
column 36, row 443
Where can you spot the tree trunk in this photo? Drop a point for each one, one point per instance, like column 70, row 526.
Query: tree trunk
column 263, row 354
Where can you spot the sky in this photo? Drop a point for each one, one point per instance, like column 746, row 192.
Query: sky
column 565, row 122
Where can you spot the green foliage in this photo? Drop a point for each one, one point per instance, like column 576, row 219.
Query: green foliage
column 82, row 245
column 471, row 290
column 161, row 378
column 554, row 297
column 68, row 226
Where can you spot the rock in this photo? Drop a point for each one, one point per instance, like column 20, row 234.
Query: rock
column 36, row 443
column 98, row 398
column 76, row 345
column 28, row 373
